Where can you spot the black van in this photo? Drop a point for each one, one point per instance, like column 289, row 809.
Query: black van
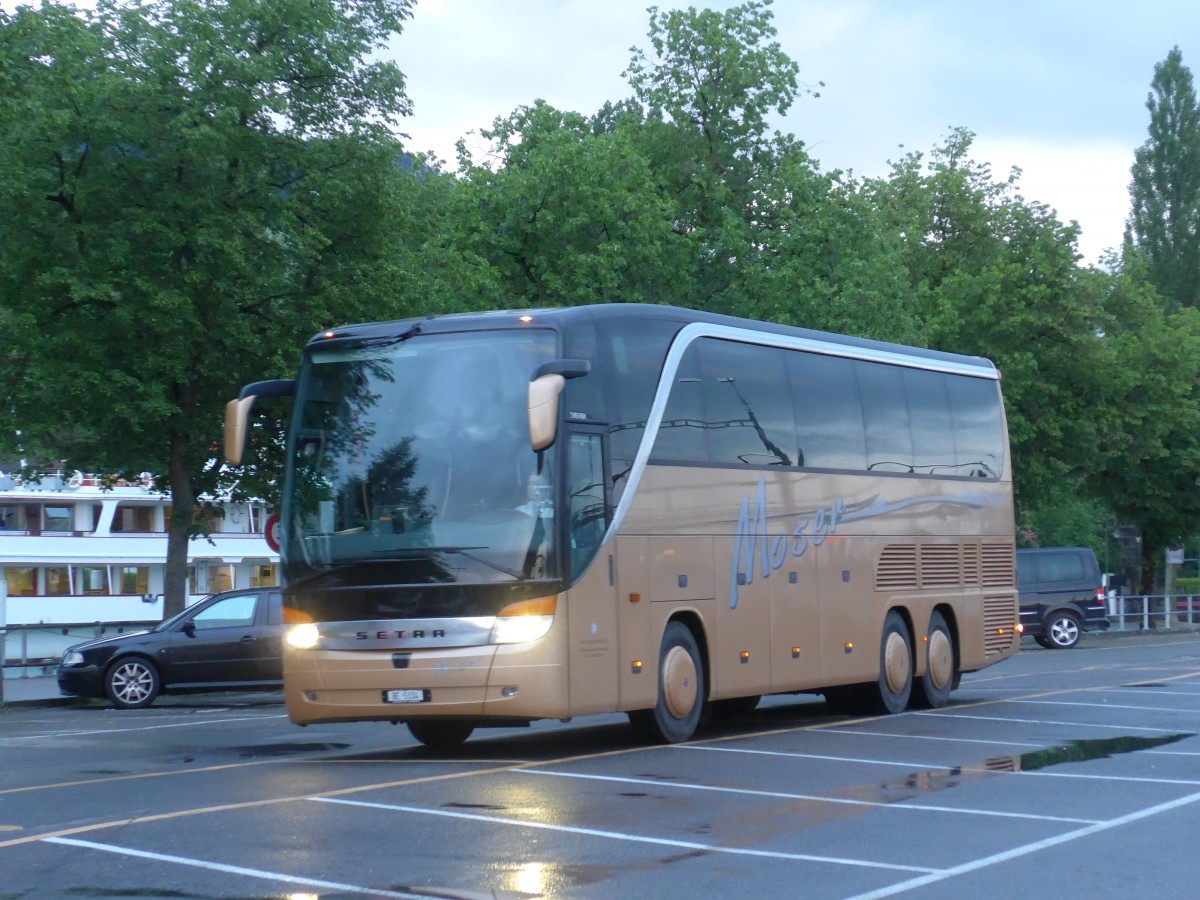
column 1062, row 595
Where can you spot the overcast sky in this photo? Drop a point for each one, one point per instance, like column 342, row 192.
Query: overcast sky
column 1057, row 88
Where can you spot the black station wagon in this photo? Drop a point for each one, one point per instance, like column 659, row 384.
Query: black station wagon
column 228, row 641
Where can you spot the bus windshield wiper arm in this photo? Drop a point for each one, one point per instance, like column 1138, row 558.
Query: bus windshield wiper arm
column 461, row 551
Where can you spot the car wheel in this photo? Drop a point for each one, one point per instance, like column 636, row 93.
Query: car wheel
column 131, row 683
column 440, row 734
column 941, row 671
column 1063, row 630
column 681, row 689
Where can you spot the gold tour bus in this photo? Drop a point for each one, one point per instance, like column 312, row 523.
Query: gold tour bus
column 492, row 518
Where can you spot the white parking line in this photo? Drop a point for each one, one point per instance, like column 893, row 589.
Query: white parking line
column 902, row 805
column 233, row 870
column 633, row 838
column 950, row 715
column 1009, row 855
column 936, row 767
column 1174, row 709
column 925, row 737
column 67, row 734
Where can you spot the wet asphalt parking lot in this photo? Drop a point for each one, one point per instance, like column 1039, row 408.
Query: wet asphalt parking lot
column 1056, row 773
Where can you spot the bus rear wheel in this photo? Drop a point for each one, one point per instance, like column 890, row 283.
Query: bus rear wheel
column 439, row 734
column 681, row 689
column 894, row 687
column 941, row 672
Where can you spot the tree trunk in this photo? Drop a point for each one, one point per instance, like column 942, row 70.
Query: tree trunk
column 183, row 509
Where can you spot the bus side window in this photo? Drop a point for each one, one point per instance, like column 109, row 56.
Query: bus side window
column 588, row 514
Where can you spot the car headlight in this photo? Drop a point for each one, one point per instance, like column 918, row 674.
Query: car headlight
column 72, row 658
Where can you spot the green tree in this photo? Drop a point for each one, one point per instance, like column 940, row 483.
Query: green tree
column 1164, row 224
column 995, row 275
column 187, row 191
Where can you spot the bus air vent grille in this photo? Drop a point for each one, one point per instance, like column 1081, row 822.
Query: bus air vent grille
column 999, row 565
column 972, row 574
column 941, row 565
column 999, row 620
column 897, row 570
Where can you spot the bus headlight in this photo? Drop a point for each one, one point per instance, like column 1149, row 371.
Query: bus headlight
column 303, row 637
column 526, row 621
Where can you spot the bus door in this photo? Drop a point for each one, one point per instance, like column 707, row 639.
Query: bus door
column 591, row 599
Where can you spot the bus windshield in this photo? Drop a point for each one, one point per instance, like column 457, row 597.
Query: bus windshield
column 410, row 463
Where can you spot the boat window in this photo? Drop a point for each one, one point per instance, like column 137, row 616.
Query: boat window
column 93, row 579
column 21, row 580
column 57, row 518
column 134, row 579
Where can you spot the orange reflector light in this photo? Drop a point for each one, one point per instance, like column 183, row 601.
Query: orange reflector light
column 1020, row 629
column 636, row 666
column 849, row 646
column 795, row 652
column 634, row 598
column 542, row 606
column 745, row 656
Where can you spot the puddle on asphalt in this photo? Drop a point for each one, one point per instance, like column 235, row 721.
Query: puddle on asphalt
column 1082, row 751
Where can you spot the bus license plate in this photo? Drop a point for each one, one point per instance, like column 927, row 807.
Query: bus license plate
column 403, row 696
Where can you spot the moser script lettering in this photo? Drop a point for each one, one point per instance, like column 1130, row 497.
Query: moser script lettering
column 810, row 529
column 754, row 538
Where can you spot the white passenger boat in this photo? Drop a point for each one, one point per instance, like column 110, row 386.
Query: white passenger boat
column 73, row 552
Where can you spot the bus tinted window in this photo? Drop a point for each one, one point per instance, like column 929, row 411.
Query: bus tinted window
column 683, row 434
column 829, row 419
column 885, row 415
column 978, row 428
column 634, row 352
column 748, row 404
column 931, row 423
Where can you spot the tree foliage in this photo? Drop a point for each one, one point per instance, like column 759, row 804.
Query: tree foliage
column 189, row 190
column 1164, row 223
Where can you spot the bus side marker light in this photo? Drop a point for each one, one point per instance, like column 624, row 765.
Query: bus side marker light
column 745, row 656
column 795, row 653
column 1020, row 628
column 636, row 667
column 849, row 646
column 634, row 598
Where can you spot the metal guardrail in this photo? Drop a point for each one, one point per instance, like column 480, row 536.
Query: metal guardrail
column 1154, row 611
column 33, row 647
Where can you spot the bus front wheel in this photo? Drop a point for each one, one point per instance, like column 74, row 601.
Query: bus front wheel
column 681, row 689
column 439, row 734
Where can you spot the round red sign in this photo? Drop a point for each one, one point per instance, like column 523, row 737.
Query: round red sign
column 271, row 532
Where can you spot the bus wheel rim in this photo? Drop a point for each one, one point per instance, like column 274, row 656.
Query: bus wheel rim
column 941, row 659
column 679, row 682
column 896, row 663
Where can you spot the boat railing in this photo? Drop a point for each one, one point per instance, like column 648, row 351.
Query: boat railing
column 31, row 649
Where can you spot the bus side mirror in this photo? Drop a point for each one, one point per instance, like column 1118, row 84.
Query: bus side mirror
column 544, row 388
column 237, row 414
column 543, row 409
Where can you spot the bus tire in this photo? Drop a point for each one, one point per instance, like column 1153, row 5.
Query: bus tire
column 439, row 734
column 681, row 689
column 941, row 670
column 894, row 687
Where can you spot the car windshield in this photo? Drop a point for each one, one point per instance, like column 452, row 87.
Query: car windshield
column 410, row 462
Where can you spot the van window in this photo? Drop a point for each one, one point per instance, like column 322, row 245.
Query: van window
column 1061, row 567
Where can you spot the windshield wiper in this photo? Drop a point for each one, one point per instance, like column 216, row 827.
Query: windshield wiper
column 461, row 551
